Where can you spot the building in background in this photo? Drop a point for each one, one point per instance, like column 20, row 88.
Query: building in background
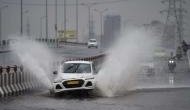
column 112, row 26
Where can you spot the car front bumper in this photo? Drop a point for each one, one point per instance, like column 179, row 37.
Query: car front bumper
column 63, row 86
column 92, row 45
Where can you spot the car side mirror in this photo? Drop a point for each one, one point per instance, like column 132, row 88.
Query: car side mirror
column 55, row 73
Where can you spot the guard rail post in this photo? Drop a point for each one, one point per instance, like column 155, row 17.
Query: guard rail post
column 17, row 79
column 1, row 82
column 5, row 90
column 6, row 81
column 13, row 73
column 11, row 78
column 22, row 78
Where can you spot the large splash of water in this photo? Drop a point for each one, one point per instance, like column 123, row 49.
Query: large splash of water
column 123, row 61
column 35, row 57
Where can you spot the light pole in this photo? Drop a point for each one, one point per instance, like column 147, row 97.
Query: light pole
column 65, row 21
column 56, row 19
column 41, row 18
column 21, row 18
column 46, row 19
column 77, row 10
column 89, row 5
column 1, row 8
column 101, row 12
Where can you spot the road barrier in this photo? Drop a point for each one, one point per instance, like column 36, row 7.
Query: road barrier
column 51, row 43
column 14, row 81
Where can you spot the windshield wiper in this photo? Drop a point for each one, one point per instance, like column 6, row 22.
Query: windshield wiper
column 70, row 68
column 76, row 68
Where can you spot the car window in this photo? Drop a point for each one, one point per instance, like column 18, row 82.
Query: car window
column 92, row 40
column 76, row 68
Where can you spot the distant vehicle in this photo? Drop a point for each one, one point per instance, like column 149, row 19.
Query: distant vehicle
column 74, row 75
column 92, row 43
column 171, row 65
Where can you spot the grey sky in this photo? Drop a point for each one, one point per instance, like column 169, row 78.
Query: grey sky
column 136, row 12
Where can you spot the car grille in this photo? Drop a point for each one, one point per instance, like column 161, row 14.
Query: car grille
column 66, row 85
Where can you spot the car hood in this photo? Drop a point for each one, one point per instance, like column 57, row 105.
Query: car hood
column 69, row 76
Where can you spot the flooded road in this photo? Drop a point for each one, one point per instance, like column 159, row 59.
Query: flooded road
column 176, row 99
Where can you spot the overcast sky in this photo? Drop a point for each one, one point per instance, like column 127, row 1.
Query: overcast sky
column 136, row 12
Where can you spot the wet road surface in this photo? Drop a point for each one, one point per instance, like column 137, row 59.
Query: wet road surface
column 174, row 99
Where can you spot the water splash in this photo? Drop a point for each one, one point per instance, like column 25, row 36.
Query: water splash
column 35, row 57
column 123, row 61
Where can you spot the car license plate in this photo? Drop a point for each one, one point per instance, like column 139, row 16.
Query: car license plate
column 73, row 82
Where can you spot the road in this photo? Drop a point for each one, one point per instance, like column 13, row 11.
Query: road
column 166, row 91
column 155, row 93
column 159, row 100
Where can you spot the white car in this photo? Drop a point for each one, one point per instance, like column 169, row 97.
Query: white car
column 92, row 43
column 74, row 75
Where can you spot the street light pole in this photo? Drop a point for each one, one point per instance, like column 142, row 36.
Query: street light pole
column 1, row 21
column 56, row 18
column 65, row 21
column 21, row 18
column 89, row 19
column 77, row 20
column 46, row 20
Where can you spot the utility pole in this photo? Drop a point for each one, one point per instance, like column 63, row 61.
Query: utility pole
column 21, row 17
column 175, row 13
column 65, row 20
column 181, row 16
column 56, row 18
column 46, row 19
column 77, row 20
column 89, row 19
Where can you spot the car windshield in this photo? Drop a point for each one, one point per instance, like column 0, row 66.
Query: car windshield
column 92, row 40
column 76, row 68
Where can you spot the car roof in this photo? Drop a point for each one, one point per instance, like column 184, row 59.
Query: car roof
column 79, row 61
